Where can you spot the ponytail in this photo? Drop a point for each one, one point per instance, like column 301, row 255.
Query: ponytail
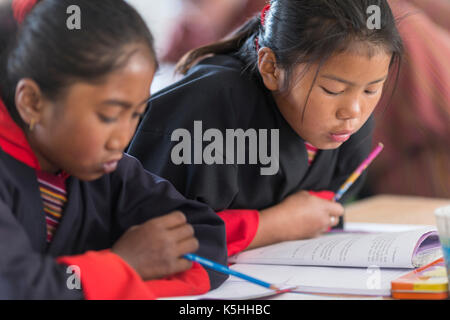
column 233, row 44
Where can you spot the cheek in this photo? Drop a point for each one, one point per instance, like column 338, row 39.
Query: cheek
column 375, row 101
column 319, row 110
column 88, row 145
column 293, row 104
column 82, row 140
column 370, row 106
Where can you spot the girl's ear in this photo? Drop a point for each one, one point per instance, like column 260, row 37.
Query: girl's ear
column 29, row 102
column 271, row 74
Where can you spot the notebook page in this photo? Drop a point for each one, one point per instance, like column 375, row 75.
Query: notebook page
column 386, row 250
column 231, row 290
column 382, row 227
column 371, row 281
column 243, row 290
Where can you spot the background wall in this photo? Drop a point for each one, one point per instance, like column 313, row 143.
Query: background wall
column 160, row 16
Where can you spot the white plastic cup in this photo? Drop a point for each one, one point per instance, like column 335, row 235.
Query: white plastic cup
column 443, row 225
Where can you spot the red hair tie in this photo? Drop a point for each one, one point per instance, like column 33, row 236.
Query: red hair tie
column 263, row 22
column 21, row 8
column 263, row 14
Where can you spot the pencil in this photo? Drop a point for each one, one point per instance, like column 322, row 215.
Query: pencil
column 355, row 175
column 224, row 269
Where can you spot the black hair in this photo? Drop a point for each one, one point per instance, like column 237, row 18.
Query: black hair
column 306, row 31
column 46, row 50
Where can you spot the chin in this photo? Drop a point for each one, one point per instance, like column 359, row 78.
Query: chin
column 89, row 176
column 328, row 145
column 334, row 145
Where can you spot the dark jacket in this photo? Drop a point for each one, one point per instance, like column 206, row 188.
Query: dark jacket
column 222, row 96
column 96, row 215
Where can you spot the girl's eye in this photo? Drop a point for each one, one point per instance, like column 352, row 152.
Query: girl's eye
column 106, row 119
column 138, row 115
column 370, row 92
column 331, row 92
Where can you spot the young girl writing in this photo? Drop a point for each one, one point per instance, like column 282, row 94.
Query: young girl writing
column 73, row 208
column 307, row 76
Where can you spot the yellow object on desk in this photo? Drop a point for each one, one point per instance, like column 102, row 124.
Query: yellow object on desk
column 428, row 282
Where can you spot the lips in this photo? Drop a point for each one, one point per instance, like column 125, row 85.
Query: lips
column 110, row 166
column 341, row 136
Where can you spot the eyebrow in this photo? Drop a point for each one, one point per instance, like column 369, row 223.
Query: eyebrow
column 123, row 104
column 328, row 76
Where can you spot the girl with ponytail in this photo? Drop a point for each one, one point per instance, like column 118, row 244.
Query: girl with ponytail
column 309, row 72
column 78, row 218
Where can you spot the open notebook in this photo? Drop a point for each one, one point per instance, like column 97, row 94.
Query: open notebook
column 354, row 263
column 407, row 249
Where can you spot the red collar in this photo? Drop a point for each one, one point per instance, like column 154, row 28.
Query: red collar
column 13, row 140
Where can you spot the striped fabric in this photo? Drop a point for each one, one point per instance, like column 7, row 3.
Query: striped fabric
column 54, row 197
column 312, row 151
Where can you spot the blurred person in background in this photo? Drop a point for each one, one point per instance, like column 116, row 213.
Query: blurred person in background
column 205, row 21
column 415, row 129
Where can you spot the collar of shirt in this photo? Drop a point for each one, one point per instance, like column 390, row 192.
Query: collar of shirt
column 14, row 142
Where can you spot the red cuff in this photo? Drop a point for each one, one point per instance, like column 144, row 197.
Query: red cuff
column 241, row 227
column 105, row 276
column 325, row 194
column 191, row 282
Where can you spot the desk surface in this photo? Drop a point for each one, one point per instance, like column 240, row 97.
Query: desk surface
column 394, row 210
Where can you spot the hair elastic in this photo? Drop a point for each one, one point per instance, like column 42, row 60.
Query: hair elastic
column 263, row 21
column 21, row 8
column 264, row 13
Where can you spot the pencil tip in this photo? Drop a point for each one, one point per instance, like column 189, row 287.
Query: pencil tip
column 274, row 287
column 381, row 144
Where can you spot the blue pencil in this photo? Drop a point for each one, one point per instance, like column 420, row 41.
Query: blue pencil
column 224, row 269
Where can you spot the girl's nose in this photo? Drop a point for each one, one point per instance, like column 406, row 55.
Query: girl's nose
column 349, row 111
column 120, row 139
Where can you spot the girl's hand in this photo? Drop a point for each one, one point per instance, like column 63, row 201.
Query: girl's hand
column 299, row 216
column 155, row 248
